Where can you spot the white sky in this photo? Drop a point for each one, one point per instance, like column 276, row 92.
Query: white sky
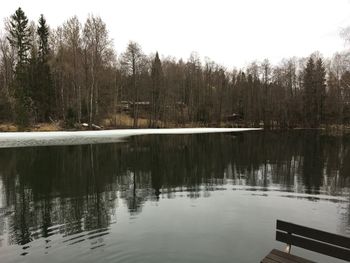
column 230, row 32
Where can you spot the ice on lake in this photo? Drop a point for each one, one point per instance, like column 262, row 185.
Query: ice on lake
column 24, row 139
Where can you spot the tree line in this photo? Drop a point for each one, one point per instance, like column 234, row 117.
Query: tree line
column 72, row 74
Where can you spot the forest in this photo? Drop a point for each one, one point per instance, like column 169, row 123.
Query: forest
column 72, row 75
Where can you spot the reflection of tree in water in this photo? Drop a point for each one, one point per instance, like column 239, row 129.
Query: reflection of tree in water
column 72, row 189
column 55, row 186
column 312, row 162
column 21, row 219
column 343, row 174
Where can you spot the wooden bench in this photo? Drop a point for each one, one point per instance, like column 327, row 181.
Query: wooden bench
column 322, row 242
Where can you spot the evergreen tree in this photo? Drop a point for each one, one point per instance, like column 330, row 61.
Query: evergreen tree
column 32, row 68
column 43, row 92
column 314, row 92
column 43, row 33
column 157, row 78
column 320, row 83
column 19, row 38
column 310, row 107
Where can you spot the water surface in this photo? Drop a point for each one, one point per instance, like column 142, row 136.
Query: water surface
column 171, row 198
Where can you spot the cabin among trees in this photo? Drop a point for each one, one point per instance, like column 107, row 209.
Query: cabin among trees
column 72, row 74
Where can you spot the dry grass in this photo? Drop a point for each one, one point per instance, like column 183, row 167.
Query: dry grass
column 10, row 127
column 46, row 127
column 124, row 121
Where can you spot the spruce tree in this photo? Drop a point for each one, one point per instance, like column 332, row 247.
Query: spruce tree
column 43, row 92
column 43, row 33
column 314, row 92
column 19, row 38
column 157, row 78
column 310, row 108
column 320, row 83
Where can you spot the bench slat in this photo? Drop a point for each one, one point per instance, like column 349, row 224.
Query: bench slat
column 295, row 258
column 278, row 256
column 314, row 245
column 319, row 235
column 267, row 260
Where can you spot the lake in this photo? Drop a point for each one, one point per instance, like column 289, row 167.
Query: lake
column 171, row 198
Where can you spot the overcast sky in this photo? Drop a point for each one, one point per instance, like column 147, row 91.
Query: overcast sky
column 231, row 32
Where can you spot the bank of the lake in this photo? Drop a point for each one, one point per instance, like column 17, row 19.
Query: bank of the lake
column 333, row 129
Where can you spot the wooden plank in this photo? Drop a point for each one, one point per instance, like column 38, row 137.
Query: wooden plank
column 314, row 245
column 295, row 258
column 267, row 260
column 278, row 258
column 320, row 235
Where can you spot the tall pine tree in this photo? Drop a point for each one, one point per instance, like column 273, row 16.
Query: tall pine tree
column 320, row 83
column 19, row 38
column 157, row 82
column 314, row 92
column 42, row 95
column 309, row 93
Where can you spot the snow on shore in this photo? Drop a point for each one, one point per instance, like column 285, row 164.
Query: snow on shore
column 22, row 139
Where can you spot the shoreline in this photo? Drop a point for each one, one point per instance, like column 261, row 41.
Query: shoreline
column 57, row 127
column 50, row 138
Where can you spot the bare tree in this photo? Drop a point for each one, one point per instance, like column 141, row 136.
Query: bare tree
column 133, row 61
column 99, row 54
column 7, row 61
column 7, row 65
column 73, row 40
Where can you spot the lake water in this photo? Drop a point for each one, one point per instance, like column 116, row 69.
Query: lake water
column 171, row 198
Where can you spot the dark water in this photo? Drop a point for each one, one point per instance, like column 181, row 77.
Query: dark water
column 171, row 198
